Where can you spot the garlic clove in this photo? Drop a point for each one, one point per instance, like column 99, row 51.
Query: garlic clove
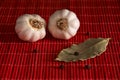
column 42, row 33
column 64, row 13
column 34, row 37
column 21, row 27
column 53, row 18
column 25, row 35
column 71, row 16
column 30, row 27
column 59, row 35
column 74, row 23
column 71, row 31
column 39, row 34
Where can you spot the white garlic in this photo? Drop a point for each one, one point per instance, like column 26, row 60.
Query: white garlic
column 30, row 27
column 63, row 24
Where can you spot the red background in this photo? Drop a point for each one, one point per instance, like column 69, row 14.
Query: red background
column 101, row 18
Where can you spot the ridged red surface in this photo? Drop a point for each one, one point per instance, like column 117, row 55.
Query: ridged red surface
column 101, row 18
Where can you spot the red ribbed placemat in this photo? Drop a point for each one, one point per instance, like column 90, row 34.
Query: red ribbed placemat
column 24, row 60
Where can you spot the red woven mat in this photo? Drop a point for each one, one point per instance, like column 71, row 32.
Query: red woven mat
column 24, row 60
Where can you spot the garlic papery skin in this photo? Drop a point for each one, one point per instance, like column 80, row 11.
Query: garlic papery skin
column 63, row 24
column 30, row 27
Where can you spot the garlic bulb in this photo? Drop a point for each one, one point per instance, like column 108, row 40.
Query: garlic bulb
column 30, row 27
column 63, row 24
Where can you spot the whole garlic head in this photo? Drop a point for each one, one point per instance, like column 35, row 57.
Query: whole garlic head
column 63, row 24
column 30, row 27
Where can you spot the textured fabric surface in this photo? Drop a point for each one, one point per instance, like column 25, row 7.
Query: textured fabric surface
column 24, row 60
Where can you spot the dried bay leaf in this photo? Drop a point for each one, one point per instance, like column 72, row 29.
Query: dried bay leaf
column 89, row 49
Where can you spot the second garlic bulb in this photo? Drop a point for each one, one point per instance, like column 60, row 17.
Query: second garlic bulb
column 30, row 27
column 63, row 24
